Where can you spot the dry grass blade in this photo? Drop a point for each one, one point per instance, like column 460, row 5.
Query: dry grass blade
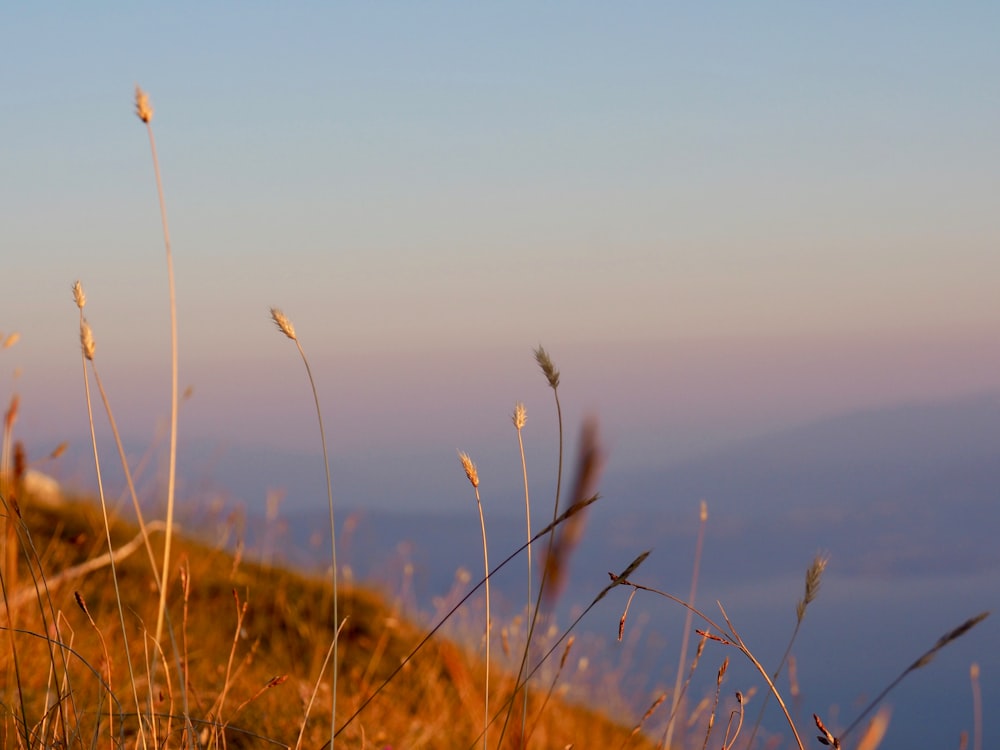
column 285, row 326
column 473, row 474
column 88, row 349
column 551, row 374
column 645, row 717
column 520, row 418
column 922, row 661
column 144, row 111
column 814, row 578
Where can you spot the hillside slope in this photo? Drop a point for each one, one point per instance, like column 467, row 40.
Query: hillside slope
column 247, row 647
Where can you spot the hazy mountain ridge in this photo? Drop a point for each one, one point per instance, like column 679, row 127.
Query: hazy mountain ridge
column 911, row 490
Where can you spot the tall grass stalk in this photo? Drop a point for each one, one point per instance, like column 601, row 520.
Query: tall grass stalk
column 921, row 662
column 519, row 418
column 88, row 348
column 473, row 474
column 285, row 326
column 87, row 333
column 551, row 374
column 144, row 112
column 682, row 658
column 814, row 577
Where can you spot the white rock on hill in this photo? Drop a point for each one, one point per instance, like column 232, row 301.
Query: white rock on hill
column 42, row 488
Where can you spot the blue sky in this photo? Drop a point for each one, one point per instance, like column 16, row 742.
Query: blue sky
column 719, row 219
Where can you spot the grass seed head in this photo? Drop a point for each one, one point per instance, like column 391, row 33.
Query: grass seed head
column 283, row 323
column 78, row 296
column 814, row 577
column 143, row 109
column 520, row 415
column 87, row 340
column 470, row 468
column 548, row 369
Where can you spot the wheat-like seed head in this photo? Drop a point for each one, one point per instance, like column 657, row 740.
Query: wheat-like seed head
column 81, row 603
column 11, row 339
column 565, row 653
column 520, row 415
column 87, row 340
column 470, row 468
column 814, row 577
column 549, row 369
column 78, row 296
column 143, row 109
column 283, row 323
column 722, row 670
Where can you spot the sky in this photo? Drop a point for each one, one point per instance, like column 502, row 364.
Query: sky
column 719, row 220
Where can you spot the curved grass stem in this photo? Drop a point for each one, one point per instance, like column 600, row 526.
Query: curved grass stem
column 286, row 327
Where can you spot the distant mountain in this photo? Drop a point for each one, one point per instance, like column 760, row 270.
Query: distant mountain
column 903, row 491
column 908, row 490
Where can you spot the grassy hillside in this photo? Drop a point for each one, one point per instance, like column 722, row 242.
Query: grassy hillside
column 250, row 642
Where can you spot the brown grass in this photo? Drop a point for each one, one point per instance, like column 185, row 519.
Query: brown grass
column 250, row 664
